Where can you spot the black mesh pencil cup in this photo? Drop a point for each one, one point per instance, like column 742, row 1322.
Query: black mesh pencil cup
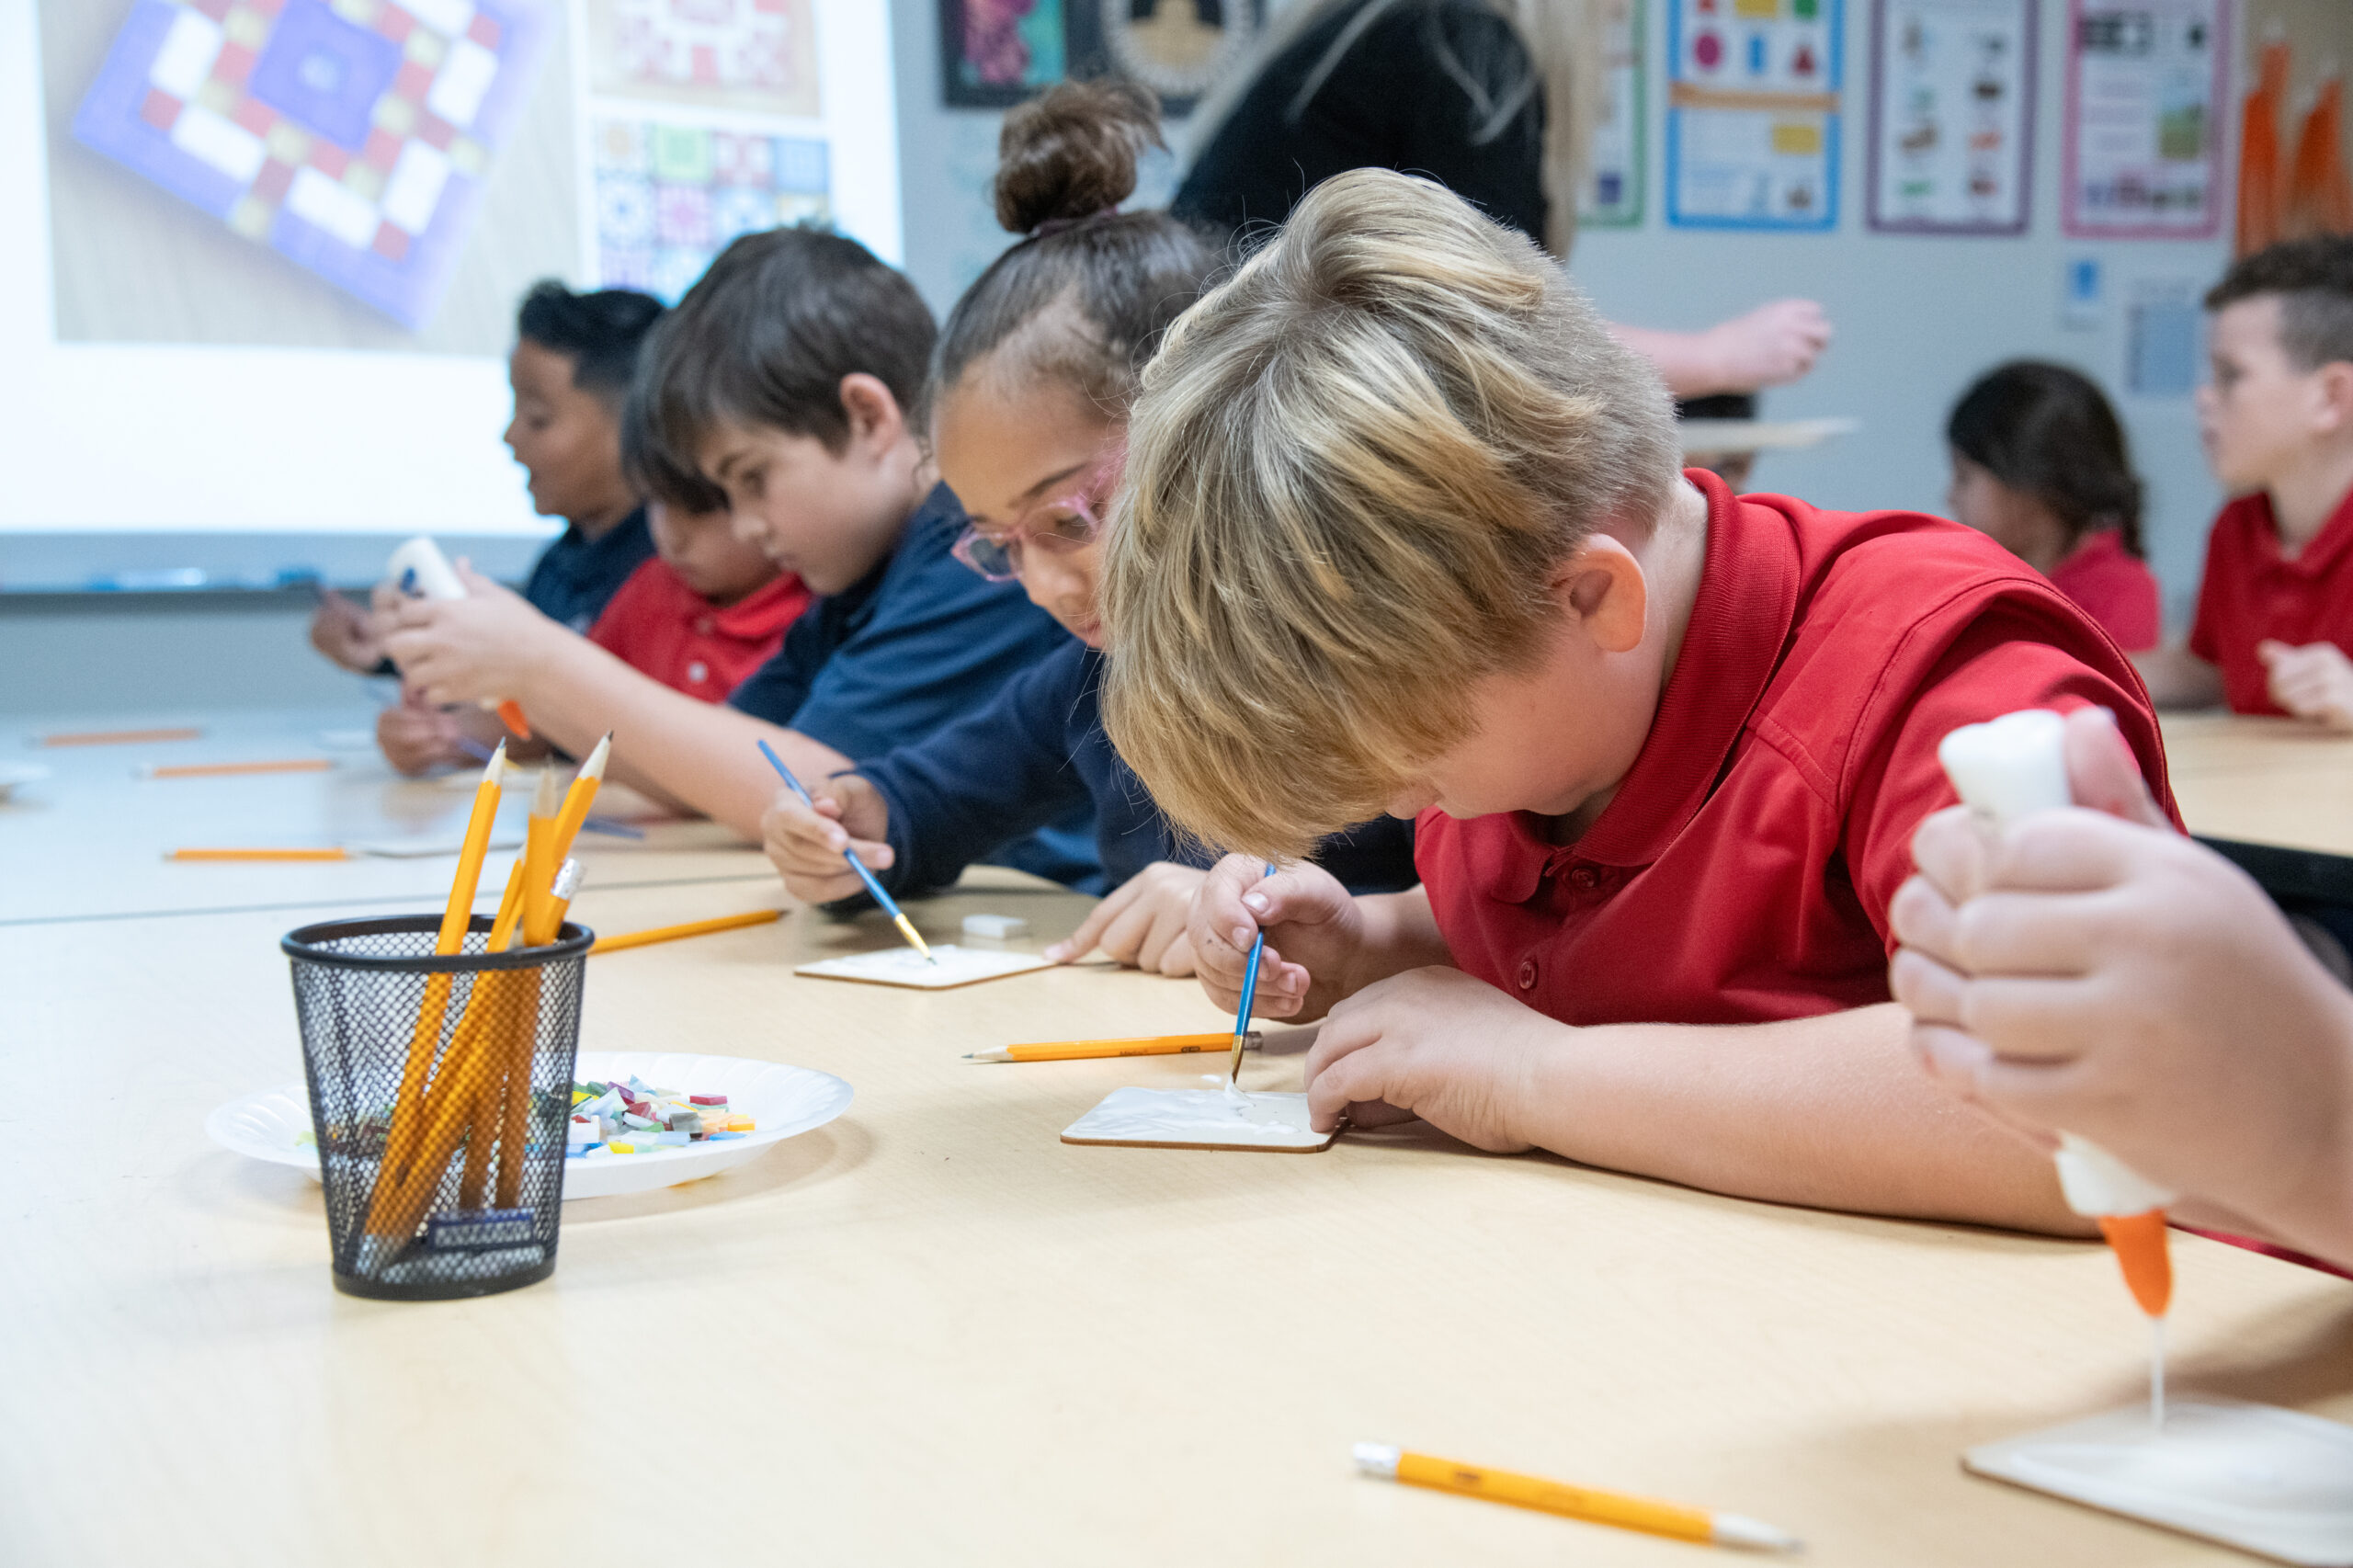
column 439, row 1090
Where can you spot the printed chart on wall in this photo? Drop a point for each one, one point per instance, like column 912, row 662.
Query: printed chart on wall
column 1613, row 190
column 2145, row 86
column 1952, row 116
column 1752, row 120
column 703, row 126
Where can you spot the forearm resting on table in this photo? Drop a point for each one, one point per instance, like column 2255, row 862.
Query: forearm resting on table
column 1828, row 1112
column 2178, row 678
column 688, row 755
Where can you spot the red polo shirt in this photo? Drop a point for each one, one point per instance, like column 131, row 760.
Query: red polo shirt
column 1743, row 870
column 2114, row 587
column 657, row 625
column 2252, row 592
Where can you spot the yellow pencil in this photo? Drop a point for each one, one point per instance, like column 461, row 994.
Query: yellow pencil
column 619, row 939
column 577, row 801
column 538, row 838
column 408, row 1108
column 119, row 737
column 1089, row 1049
column 1392, row 1463
column 327, row 854
column 236, row 770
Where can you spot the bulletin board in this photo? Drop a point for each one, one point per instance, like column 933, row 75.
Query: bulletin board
column 2147, row 96
column 1753, row 113
column 1614, row 183
column 1952, row 116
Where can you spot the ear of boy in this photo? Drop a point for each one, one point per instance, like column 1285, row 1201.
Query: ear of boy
column 1603, row 588
column 832, row 516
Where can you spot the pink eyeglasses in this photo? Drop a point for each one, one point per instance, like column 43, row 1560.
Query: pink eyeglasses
column 1058, row 526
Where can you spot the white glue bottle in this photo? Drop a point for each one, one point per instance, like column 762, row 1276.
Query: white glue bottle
column 2004, row 772
column 419, row 569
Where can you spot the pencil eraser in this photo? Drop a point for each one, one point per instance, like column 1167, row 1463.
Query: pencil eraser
column 995, row 927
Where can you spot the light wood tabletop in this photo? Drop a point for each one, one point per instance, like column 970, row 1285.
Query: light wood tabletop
column 931, row 1332
column 2278, row 782
column 89, row 840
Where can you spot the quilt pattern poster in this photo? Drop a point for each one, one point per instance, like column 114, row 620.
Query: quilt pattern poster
column 351, row 137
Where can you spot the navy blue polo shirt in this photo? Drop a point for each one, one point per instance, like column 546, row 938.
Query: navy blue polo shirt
column 920, row 643
column 576, row 576
column 1036, row 753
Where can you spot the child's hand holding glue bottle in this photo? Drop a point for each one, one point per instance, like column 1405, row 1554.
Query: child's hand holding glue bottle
column 419, row 569
column 2097, row 970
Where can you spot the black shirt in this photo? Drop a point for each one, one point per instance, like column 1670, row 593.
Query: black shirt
column 1441, row 89
column 576, row 578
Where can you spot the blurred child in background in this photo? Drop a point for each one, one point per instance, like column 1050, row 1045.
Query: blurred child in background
column 2040, row 465
column 569, row 370
column 2275, row 611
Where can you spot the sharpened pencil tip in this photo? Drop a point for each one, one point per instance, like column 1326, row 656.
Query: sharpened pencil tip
column 595, row 766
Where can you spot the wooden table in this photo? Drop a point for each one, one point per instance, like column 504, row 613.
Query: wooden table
column 89, row 841
column 931, row 1332
column 2273, row 794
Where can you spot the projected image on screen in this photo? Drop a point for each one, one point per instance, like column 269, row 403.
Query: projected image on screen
column 352, row 138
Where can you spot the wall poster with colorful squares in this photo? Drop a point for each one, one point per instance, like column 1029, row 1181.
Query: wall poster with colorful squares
column 703, row 125
column 351, row 137
column 1753, row 113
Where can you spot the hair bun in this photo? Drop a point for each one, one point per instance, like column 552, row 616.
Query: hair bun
column 1071, row 151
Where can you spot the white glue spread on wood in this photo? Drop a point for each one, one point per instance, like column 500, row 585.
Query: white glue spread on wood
column 905, row 966
column 1221, row 1118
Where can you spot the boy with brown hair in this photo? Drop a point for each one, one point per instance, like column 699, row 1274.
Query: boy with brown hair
column 2274, row 610
column 786, row 377
column 1402, row 528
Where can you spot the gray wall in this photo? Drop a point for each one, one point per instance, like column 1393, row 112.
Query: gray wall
column 1917, row 319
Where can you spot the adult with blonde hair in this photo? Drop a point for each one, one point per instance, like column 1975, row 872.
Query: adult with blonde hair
column 1402, row 528
column 1497, row 100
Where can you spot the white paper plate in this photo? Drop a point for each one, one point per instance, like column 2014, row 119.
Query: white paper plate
column 784, row 1101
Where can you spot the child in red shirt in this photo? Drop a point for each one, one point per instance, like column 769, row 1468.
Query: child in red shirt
column 2275, row 611
column 2040, row 466
column 706, row 611
column 1401, row 526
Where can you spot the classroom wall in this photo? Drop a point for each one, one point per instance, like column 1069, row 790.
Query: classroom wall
column 1917, row 318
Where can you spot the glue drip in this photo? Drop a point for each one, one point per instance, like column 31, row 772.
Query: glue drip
column 2138, row 1243
column 2006, row 770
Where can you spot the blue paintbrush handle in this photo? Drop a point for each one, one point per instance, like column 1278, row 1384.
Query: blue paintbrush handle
column 1250, row 976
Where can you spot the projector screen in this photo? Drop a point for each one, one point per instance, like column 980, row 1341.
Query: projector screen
column 263, row 255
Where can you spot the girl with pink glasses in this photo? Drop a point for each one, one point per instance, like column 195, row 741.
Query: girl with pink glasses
column 1029, row 389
